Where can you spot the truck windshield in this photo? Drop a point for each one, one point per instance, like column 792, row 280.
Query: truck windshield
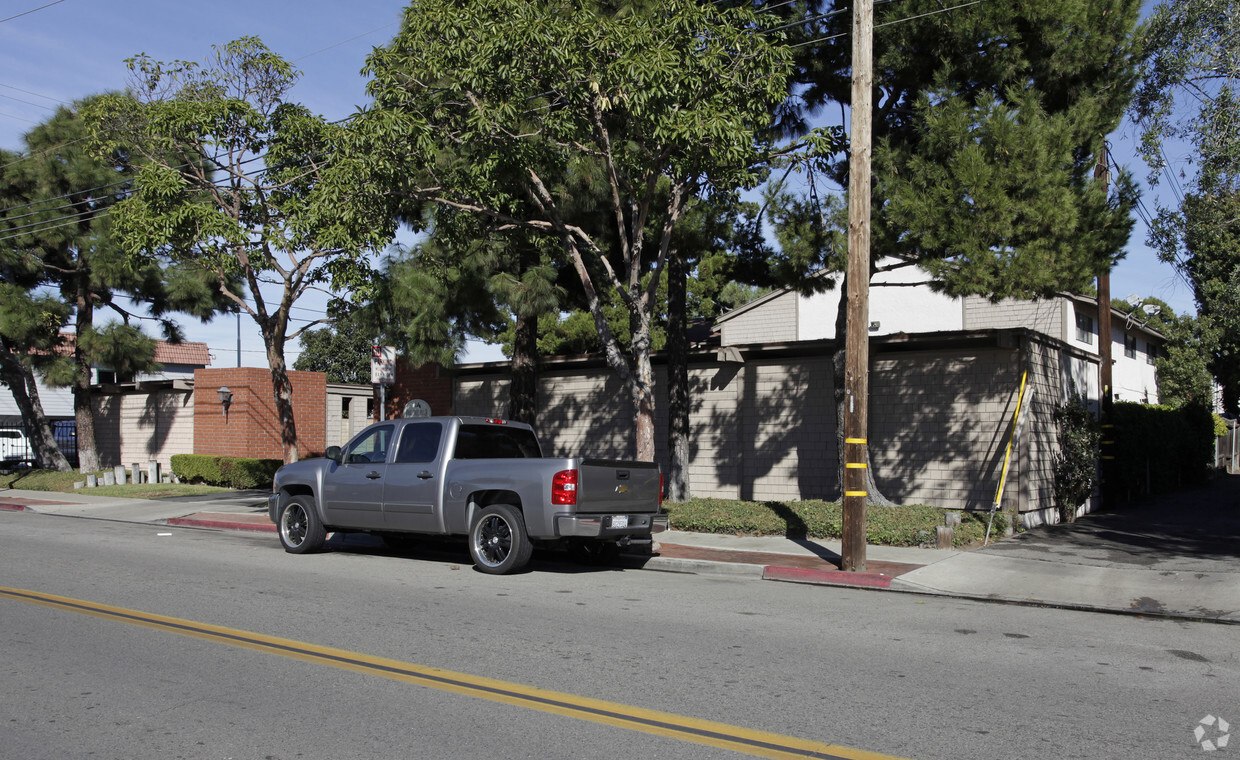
column 495, row 442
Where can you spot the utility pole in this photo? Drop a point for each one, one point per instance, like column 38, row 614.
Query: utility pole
column 1105, row 381
column 857, row 350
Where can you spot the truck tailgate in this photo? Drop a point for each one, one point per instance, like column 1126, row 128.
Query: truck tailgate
column 617, row 487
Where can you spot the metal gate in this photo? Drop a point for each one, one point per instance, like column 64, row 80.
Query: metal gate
column 15, row 448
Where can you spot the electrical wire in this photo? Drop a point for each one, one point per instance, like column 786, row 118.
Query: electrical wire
column 32, row 10
column 888, row 23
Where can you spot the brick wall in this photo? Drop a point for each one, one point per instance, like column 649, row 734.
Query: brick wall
column 252, row 428
column 430, row 382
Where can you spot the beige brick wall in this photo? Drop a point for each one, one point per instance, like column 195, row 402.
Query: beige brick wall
column 774, row 322
column 138, row 427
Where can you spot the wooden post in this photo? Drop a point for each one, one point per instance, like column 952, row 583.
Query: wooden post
column 1107, row 489
column 857, row 349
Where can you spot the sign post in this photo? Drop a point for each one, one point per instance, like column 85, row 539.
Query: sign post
column 382, row 373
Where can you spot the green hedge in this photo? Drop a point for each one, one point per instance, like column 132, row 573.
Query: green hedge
column 1159, row 449
column 231, row 472
column 891, row 526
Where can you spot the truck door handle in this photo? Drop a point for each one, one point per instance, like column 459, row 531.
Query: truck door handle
column 372, row 475
column 425, row 475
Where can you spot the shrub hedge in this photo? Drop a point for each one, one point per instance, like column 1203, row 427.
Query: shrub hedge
column 891, row 526
column 230, row 472
column 1159, row 449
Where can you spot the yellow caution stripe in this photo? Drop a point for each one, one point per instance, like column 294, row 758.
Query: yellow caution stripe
column 855, row 465
column 854, row 440
column 856, row 493
column 706, row 732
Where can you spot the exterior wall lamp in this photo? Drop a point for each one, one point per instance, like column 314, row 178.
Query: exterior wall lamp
column 225, row 399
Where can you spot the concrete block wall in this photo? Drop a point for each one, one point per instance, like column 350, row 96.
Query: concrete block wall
column 765, row 428
column 939, row 422
column 139, row 427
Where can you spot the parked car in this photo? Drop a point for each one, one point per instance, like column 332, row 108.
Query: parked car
column 14, row 445
column 482, row 478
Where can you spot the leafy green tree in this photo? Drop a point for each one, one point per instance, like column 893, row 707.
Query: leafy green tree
column 66, row 241
column 500, row 108
column 227, row 185
column 1189, row 93
column 988, row 123
column 466, row 280
column 1182, row 366
column 342, row 352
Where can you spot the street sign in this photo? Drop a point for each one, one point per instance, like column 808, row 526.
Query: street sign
column 382, row 365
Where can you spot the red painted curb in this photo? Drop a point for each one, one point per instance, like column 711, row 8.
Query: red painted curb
column 189, row 522
column 13, row 507
column 825, row 577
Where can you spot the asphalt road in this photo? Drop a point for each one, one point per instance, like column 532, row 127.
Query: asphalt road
column 911, row 676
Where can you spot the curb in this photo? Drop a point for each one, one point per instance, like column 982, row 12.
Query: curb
column 703, row 567
column 826, row 577
column 191, row 522
column 13, row 508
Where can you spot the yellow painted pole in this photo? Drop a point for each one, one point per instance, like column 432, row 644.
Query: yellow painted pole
column 1007, row 456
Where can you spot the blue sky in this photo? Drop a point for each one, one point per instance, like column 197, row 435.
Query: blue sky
column 74, row 48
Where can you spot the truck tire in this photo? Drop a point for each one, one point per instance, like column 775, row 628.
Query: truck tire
column 498, row 542
column 300, row 529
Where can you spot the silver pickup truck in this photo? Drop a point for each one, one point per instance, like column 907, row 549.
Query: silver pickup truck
column 482, row 478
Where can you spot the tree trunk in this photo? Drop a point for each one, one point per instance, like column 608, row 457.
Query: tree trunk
column 18, row 377
column 523, row 388
column 678, row 400
column 874, row 495
column 282, row 392
column 83, row 409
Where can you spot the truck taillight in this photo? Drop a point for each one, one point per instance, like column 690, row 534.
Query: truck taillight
column 496, row 422
column 564, row 488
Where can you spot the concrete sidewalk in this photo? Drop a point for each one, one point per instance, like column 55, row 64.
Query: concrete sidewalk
column 1178, row 556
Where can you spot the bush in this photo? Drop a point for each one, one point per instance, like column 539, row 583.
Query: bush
column 1076, row 465
column 1159, row 449
column 891, row 526
column 230, row 472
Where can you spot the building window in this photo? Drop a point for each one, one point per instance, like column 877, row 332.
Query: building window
column 1151, row 353
column 1130, row 346
column 1084, row 328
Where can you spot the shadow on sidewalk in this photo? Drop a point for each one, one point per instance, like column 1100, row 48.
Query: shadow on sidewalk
column 1199, row 525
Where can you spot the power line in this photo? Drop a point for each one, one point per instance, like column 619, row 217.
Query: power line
column 32, row 10
column 889, row 23
column 36, row 94
column 345, row 42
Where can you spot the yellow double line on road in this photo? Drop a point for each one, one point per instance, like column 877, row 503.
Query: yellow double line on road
column 757, row 743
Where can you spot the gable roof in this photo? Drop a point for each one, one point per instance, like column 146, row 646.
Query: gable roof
column 188, row 352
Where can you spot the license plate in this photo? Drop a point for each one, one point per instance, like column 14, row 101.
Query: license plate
column 620, row 521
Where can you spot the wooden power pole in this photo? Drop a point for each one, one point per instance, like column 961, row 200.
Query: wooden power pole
column 1105, row 381
column 857, row 349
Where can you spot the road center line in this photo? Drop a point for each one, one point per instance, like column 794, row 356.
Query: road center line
column 722, row 735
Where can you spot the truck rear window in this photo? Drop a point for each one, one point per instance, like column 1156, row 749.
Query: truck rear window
column 495, row 442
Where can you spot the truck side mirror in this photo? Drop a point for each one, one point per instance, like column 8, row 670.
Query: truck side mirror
column 333, row 453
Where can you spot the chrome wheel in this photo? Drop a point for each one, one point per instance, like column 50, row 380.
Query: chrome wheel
column 498, row 542
column 301, row 531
